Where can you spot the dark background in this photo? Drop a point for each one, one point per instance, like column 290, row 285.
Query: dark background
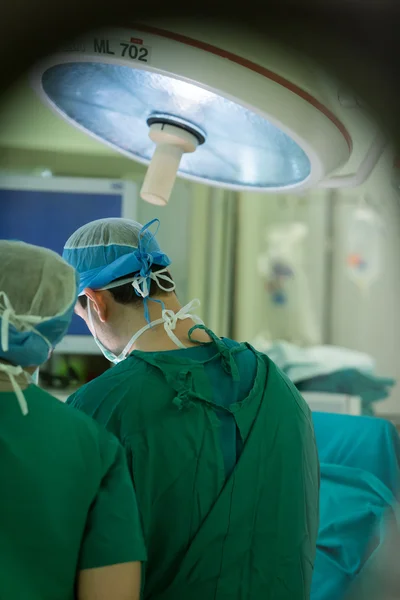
column 359, row 40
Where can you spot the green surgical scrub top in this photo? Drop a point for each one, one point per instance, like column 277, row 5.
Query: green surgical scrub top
column 222, row 452
column 66, row 501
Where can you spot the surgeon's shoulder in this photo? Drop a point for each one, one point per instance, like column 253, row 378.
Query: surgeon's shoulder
column 110, row 391
column 103, row 492
column 43, row 405
column 285, row 394
column 70, row 426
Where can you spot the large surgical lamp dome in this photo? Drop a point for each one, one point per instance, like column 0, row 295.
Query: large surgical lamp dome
column 237, row 114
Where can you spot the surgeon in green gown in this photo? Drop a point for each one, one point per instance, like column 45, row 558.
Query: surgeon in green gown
column 220, row 444
column 69, row 524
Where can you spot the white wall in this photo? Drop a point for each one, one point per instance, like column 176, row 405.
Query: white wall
column 367, row 322
column 174, row 233
column 370, row 322
column 257, row 212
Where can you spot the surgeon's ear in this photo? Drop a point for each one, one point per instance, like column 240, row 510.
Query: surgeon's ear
column 98, row 299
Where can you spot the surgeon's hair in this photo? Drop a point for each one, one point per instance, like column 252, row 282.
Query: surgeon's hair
column 125, row 294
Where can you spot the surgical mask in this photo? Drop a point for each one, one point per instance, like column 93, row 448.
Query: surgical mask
column 12, row 373
column 35, row 377
column 169, row 319
column 28, row 322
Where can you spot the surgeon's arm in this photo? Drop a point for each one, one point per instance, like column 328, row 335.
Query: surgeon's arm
column 112, row 548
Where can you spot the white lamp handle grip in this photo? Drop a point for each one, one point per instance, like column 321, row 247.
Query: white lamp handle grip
column 161, row 174
column 172, row 142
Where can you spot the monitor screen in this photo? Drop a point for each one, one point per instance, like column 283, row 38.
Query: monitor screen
column 46, row 211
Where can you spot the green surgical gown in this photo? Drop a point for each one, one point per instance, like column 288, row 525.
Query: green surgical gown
column 66, row 499
column 222, row 453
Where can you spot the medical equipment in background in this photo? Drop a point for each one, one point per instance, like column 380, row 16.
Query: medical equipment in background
column 66, row 203
column 291, row 315
column 323, row 372
column 301, row 364
column 364, row 245
column 341, row 404
column 212, row 104
column 364, row 240
column 360, row 483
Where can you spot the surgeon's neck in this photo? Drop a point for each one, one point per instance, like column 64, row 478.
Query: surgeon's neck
column 156, row 339
column 21, row 379
column 29, row 370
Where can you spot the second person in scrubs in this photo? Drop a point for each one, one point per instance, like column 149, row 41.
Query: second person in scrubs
column 69, row 524
column 220, row 444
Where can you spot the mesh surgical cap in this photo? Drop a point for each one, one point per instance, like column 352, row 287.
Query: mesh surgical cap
column 38, row 291
column 109, row 249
